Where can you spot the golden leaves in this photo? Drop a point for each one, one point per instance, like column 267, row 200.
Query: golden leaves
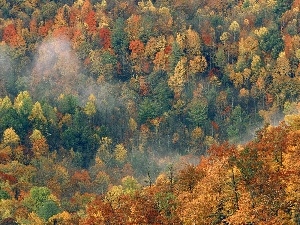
column 248, row 46
column 37, row 113
column 120, row 153
column 177, row 80
column 293, row 121
column 154, row 45
column 10, row 137
column 90, row 107
column 197, row 65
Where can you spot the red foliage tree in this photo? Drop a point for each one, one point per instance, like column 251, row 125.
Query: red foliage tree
column 168, row 49
column 144, row 88
column 7, row 177
column 73, row 16
column 98, row 212
column 146, row 67
column 33, row 26
column 105, row 38
column 62, row 31
column 207, row 36
column 11, row 36
column 9, row 32
column 81, row 180
column 44, row 29
column 90, row 20
column 215, row 125
column 288, row 45
column 136, row 47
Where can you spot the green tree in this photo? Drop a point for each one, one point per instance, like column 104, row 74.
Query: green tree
column 81, row 137
column 120, row 43
column 8, row 115
column 220, row 58
column 238, row 124
column 37, row 197
column 40, row 202
column 23, row 105
column 160, row 90
column 67, row 103
column 48, row 209
column 282, row 6
column 175, row 56
column 48, row 10
column 148, row 109
column 198, row 113
column 271, row 42
column 130, row 185
column 4, row 195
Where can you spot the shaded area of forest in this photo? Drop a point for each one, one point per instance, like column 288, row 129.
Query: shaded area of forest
column 120, row 95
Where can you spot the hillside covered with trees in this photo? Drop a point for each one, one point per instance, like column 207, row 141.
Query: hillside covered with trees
column 149, row 112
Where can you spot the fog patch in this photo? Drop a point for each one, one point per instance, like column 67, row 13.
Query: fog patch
column 56, row 70
column 107, row 95
column 5, row 69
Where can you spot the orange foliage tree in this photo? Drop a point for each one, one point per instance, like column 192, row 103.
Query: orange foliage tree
column 11, row 36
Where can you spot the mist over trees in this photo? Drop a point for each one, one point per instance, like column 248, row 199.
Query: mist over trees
column 149, row 112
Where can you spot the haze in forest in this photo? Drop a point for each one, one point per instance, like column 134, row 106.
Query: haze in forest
column 149, row 112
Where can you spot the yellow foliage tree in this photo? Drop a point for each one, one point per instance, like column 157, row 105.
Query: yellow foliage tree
column 291, row 165
column 197, row 65
column 161, row 61
column 7, row 208
column 113, row 195
column 90, row 107
column 146, row 6
column 177, row 80
column 33, row 218
column 237, row 78
column 248, row 46
column 293, row 121
column 282, row 68
column 132, row 124
column 105, row 150
column 19, row 101
column 6, row 103
column 154, row 45
column 120, row 153
column 102, row 182
column 63, row 218
column 200, row 206
column 234, row 28
column 192, row 43
column 37, row 114
column 10, row 137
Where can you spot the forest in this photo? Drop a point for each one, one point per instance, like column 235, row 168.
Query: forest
column 149, row 112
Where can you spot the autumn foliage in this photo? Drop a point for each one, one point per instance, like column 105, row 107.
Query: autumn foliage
column 105, row 38
column 149, row 112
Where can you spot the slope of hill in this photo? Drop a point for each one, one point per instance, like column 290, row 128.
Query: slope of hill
column 102, row 103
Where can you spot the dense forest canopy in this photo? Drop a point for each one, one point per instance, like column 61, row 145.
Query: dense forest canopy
column 149, row 112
